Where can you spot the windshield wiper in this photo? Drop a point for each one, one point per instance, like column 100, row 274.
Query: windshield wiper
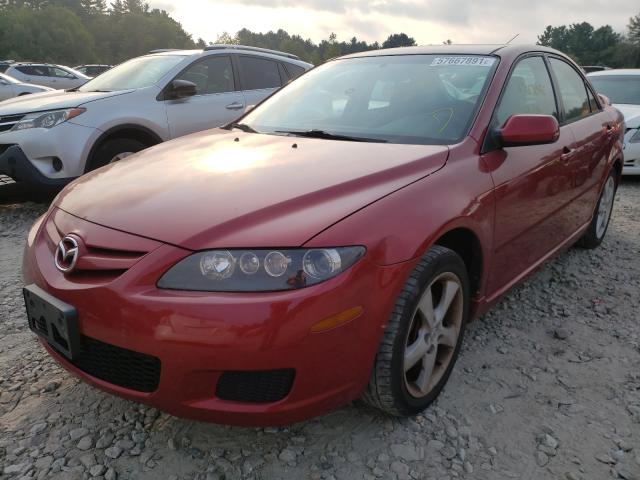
column 329, row 136
column 243, row 126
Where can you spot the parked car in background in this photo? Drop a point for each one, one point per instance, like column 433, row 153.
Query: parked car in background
column 334, row 243
column 135, row 105
column 593, row 68
column 10, row 87
column 58, row 77
column 92, row 70
column 4, row 64
column 622, row 87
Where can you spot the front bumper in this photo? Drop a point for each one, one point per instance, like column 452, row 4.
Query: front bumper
column 31, row 155
column 15, row 164
column 199, row 337
column 631, row 155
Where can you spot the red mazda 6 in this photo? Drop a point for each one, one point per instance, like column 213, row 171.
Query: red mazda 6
column 333, row 243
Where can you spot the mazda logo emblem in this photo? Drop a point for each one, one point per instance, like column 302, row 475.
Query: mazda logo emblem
column 66, row 254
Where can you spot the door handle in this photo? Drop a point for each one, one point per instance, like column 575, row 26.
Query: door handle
column 567, row 153
column 235, row 106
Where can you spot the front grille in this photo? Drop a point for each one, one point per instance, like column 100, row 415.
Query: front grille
column 255, row 386
column 119, row 366
column 8, row 121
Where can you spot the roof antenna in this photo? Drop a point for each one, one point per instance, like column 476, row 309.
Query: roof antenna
column 512, row 39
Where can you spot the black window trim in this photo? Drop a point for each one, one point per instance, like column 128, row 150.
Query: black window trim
column 488, row 144
column 585, row 83
column 259, row 57
column 162, row 96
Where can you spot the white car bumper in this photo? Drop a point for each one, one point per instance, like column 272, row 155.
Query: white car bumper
column 631, row 155
column 48, row 156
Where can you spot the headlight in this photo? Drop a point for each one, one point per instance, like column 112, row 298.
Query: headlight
column 636, row 137
column 258, row 270
column 47, row 119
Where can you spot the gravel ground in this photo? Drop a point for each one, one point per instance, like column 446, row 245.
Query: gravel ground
column 547, row 387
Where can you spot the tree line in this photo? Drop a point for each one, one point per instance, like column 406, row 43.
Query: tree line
column 596, row 46
column 95, row 31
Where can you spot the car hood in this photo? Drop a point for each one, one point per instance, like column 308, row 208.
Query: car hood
column 52, row 100
column 219, row 189
column 631, row 114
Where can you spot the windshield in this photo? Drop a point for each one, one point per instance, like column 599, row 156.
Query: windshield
column 136, row 73
column 8, row 79
column 619, row 88
column 416, row 99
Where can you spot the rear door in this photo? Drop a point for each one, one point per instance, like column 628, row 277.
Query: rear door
column 218, row 100
column 259, row 77
column 37, row 74
column 593, row 131
column 532, row 183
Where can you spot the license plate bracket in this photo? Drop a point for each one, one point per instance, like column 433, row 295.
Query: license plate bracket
column 53, row 320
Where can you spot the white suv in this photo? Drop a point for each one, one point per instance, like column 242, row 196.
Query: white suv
column 51, row 138
column 47, row 75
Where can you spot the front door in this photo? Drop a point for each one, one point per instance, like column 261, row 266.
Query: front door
column 216, row 103
column 532, row 183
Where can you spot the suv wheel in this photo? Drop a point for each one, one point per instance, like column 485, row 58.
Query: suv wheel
column 114, row 150
column 423, row 336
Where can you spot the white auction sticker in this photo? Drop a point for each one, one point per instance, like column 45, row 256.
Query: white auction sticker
column 464, row 61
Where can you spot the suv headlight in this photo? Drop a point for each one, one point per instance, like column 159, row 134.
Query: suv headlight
column 259, row 270
column 47, row 119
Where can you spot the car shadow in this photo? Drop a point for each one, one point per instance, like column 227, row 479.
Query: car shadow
column 11, row 192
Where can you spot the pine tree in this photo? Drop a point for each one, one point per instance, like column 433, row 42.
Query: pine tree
column 634, row 29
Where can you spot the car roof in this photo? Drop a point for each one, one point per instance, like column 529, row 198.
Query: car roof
column 457, row 49
column 617, row 72
column 220, row 48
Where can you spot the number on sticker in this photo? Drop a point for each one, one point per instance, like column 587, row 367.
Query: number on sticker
column 464, row 61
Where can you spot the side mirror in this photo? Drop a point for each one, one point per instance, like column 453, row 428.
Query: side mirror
column 522, row 130
column 604, row 100
column 181, row 89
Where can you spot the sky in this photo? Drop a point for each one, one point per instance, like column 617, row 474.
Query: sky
column 428, row 21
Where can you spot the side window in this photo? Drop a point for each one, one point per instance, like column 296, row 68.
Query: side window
column 60, row 73
column 32, row 71
column 294, row 70
column 211, row 75
column 529, row 91
column 258, row 73
column 572, row 90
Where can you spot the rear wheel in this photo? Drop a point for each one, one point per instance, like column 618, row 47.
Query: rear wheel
column 423, row 336
column 598, row 227
column 114, row 150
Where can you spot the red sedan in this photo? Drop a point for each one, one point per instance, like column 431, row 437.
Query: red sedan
column 330, row 245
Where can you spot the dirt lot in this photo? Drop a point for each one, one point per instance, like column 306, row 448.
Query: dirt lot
column 547, row 387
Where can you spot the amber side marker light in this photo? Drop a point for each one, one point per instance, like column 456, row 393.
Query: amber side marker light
column 336, row 320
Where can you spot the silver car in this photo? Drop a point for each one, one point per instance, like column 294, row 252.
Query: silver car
column 48, row 75
column 10, row 87
column 62, row 134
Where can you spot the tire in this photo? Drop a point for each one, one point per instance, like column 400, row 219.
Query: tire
column 109, row 150
column 394, row 389
column 597, row 229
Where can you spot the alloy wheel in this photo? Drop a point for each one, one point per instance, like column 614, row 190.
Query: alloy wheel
column 605, row 207
column 433, row 334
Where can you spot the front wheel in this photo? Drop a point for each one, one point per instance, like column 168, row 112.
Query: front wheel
column 422, row 338
column 598, row 227
column 114, row 150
